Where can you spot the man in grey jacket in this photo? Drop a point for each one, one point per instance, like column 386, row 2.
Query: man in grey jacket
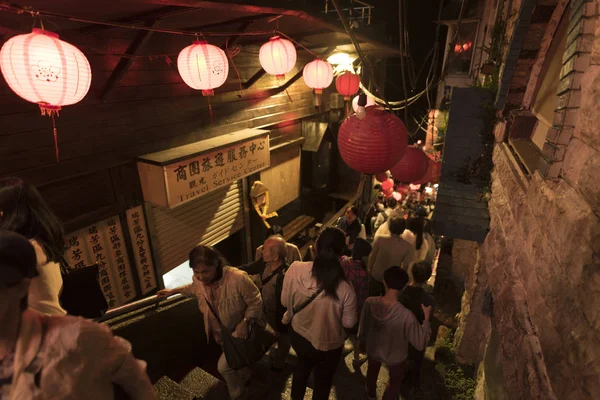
column 385, row 330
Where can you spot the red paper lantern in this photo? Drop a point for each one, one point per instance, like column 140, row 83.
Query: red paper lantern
column 432, row 174
column 277, row 56
column 203, row 66
column 373, row 144
column 412, row 166
column 347, row 84
column 382, row 176
column 318, row 75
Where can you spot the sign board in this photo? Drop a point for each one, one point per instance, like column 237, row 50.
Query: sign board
column 103, row 243
column 141, row 248
column 224, row 160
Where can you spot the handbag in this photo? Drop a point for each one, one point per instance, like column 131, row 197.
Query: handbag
column 242, row 352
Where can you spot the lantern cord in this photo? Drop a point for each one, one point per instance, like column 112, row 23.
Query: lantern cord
column 402, row 50
column 288, row 95
column 298, row 44
column 361, row 55
column 231, row 55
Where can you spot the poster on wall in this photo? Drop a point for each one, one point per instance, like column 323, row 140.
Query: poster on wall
column 141, row 248
column 103, row 243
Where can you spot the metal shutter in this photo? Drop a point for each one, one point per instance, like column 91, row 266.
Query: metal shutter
column 208, row 220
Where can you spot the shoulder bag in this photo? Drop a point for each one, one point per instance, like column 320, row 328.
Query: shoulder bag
column 243, row 352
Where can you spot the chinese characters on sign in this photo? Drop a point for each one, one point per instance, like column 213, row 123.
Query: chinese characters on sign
column 189, row 179
column 103, row 243
column 141, row 248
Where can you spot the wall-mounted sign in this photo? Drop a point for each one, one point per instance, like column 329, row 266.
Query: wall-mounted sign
column 171, row 178
column 141, row 248
column 103, row 243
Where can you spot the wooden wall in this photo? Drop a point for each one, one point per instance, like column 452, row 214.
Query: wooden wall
column 151, row 109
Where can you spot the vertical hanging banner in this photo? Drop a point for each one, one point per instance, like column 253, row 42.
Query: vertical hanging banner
column 141, row 248
column 103, row 243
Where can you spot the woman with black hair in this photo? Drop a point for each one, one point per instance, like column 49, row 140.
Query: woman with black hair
column 320, row 304
column 233, row 296
column 414, row 235
column 351, row 225
column 23, row 210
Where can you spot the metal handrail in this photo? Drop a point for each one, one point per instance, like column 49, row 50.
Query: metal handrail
column 136, row 305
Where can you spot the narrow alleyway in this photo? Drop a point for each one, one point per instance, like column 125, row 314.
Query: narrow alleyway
column 439, row 378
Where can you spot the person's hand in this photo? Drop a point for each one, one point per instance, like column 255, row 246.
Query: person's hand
column 164, row 293
column 427, row 310
column 241, row 330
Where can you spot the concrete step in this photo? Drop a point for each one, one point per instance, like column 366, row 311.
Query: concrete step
column 204, row 385
column 167, row 389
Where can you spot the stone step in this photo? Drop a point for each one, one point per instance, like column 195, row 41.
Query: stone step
column 204, row 385
column 167, row 389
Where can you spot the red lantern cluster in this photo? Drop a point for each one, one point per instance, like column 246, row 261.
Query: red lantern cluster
column 374, row 144
column 412, row 166
column 347, row 84
column 432, row 174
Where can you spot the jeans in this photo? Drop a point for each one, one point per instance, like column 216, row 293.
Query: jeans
column 392, row 390
column 278, row 354
column 323, row 362
column 234, row 378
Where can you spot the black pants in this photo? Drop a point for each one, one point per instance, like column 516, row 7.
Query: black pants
column 324, row 363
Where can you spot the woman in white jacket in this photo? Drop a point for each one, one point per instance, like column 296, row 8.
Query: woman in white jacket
column 317, row 329
column 23, row 210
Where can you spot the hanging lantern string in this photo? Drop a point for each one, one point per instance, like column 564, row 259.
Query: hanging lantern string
column 298, row 44
column 55, row 133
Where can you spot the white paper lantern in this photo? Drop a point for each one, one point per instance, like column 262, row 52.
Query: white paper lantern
column 277, row 56
column 318, row 74
column 43, row 69
column 203, row 66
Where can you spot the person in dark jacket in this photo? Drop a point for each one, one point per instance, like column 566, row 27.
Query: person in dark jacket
column 271, row 269
column 412, row 297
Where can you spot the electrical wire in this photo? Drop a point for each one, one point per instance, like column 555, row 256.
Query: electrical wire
column 402, row 37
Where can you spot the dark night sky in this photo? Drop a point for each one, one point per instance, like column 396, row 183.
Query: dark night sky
column 422, row 15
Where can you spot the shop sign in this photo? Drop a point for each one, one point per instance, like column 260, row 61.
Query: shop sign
column 103, row 243
column 176, row 183
column 141, row 248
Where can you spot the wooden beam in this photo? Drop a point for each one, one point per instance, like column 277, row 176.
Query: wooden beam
column 234, row 38
column 249, row 18
column 270, row 7
column 156, row 14
column 123, row 65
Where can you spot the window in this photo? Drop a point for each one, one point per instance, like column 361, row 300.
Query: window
column 462, row 53
column 529, row 129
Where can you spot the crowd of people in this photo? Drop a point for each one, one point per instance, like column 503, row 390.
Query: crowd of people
column 372, row 293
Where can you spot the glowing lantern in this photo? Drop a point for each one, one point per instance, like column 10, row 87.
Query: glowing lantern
column 433, row 172
column 388, row 187
column 370, row 102
column 397, row 196
column 42, row 69
column 412, row 167
column 203, row 66
column 373, row 144
column 347, row 84
column 318, row 75
column 277, row 56
column 382, row 176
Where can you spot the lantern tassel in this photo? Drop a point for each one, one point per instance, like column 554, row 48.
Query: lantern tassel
column 55, row 132
column 212, row 119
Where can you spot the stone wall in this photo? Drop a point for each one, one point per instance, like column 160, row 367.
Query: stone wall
column 541, row 258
